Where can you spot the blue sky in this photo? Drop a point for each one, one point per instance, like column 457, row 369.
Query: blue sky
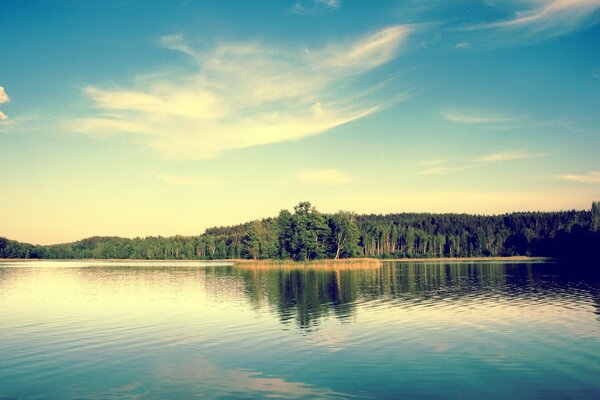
column 144, row 118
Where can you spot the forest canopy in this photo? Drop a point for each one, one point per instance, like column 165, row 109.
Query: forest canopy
column 307, row 234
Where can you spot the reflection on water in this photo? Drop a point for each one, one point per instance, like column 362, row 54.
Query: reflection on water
column 89, row 330
column 307, row 294
column 304, row 294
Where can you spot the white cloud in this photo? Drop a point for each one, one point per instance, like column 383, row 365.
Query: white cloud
column 374, row 50
column 330, row 3
column 444, row 167
column 186, row 180
column 590, row 177
column 324, row 177
column 507, row 156
column 3, row 96
column 315, row 6
column 176, row 42
column 3, row 99
column 547, row 18
column 462, row 45
column 472, row 118
column 243, row 95
column 553, row 12
column 19, row 124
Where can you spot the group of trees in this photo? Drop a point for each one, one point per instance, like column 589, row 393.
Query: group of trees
column 307, row 234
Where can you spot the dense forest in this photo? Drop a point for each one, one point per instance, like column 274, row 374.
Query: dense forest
column 307, row 234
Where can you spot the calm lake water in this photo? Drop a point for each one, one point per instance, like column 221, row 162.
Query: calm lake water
column 417, row 331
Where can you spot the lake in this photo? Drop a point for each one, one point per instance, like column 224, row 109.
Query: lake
column 103, row 330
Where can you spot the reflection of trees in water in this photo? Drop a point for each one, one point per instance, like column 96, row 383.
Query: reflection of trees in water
column 308, row 294
column 4, row 274
column 458, row 280
column 426, row 280
column 305, row 295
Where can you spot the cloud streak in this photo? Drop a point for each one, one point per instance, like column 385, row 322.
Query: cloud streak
column 315, row 6
column 508, row 156
column 552, row 12
column 464, row 118
column 3, row 99
column 443, row 167
column 592, row 177
column 244, row 95
column 545, row 18
column 3, row 96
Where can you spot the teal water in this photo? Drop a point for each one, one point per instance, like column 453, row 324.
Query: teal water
column 154, row 330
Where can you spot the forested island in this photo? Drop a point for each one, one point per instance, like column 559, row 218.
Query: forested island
column 307, row 234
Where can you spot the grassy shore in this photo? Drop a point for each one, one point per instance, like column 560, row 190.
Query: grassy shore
column 328, row 263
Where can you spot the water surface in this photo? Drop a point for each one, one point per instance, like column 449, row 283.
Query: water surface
column 180, row 330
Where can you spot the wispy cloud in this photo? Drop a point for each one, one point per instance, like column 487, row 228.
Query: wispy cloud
column 462, row 45
column 545, row 18
column 441, row 167
column 589, row 177
column 176, row 42
column 445, row 167
column 470, row 118
column 433, row 166
column 3, row 99
column 315, row 6
column 324, row 177
column 244, row 95
column 3, row 96
column 552, row 12
column 186, row 180
column 507, row 156
column 19, row 124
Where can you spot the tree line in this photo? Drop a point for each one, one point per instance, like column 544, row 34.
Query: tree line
column 307, row 234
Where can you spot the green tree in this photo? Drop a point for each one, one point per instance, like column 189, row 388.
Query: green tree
column 252, row 241
column 309, row 233
column 260, row 240
column 596, row 216
column 283, row 225
column 344, row 235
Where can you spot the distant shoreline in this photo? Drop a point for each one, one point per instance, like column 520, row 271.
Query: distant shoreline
column 276, row 261
column 444, row 259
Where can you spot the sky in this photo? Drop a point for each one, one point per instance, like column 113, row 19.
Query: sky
column 136, row 118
